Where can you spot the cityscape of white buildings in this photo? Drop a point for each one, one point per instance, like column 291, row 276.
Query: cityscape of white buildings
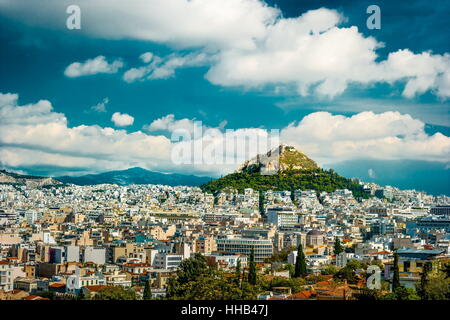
column 72, row 239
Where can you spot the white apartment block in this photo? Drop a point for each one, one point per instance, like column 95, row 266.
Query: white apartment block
column 6, row 276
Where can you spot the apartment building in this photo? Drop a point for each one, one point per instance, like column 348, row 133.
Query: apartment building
column 6, row 276
column 262, row 248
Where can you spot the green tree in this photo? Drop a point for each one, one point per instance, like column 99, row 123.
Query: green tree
column 115, row 293
column 356, row 264
column 349, row 271
column 192, row 268
column 396, row 277
column 330, row 269
column 300, row 263
column 446, row 269
column 377, row 263
column 346, row 273
column 312, row 178
column 280, row 256
column 338, row 246
column 422, row 286
column 261, row 204
column 291, row 268
column 196, row 280
column 147, row 290
column 438, row 287
column 367, row 294
column 268, row 283
column 401, row 293
column 252, row 268
column 433, row 287
column 237, row 273
column 189, row 270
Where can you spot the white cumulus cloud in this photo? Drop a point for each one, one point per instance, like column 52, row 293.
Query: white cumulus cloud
column 169, row 124
column 146, row 57
column 366, row 135
column 101, row 106
column 92, row 66
column 122, row 119
column 251, row 43
column 35, row 135
column 163, row 68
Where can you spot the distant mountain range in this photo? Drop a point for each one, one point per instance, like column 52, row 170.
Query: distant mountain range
column 31, row 181
column 283, row 168
column 136, row 176
column 122, row 177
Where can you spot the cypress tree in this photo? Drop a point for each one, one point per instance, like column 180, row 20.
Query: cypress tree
column 292, row 195
column 147, row 291
column 424, row 281
column 252, row 269
column 396, row 278
column 261, row 204
column 300, row 263
column 337, row 246
column 238, row 272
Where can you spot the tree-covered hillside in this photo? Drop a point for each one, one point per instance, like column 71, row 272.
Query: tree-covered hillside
column 317, row 179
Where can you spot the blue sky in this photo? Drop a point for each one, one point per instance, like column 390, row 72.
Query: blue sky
column 214, row 81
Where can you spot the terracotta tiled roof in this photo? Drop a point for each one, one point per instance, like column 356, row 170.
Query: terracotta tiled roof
column 33, row 297
column 95, row 288
column 57, row 285
column 302, row 295
column 324, row 283
column 335, row 292
column 136, row 265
